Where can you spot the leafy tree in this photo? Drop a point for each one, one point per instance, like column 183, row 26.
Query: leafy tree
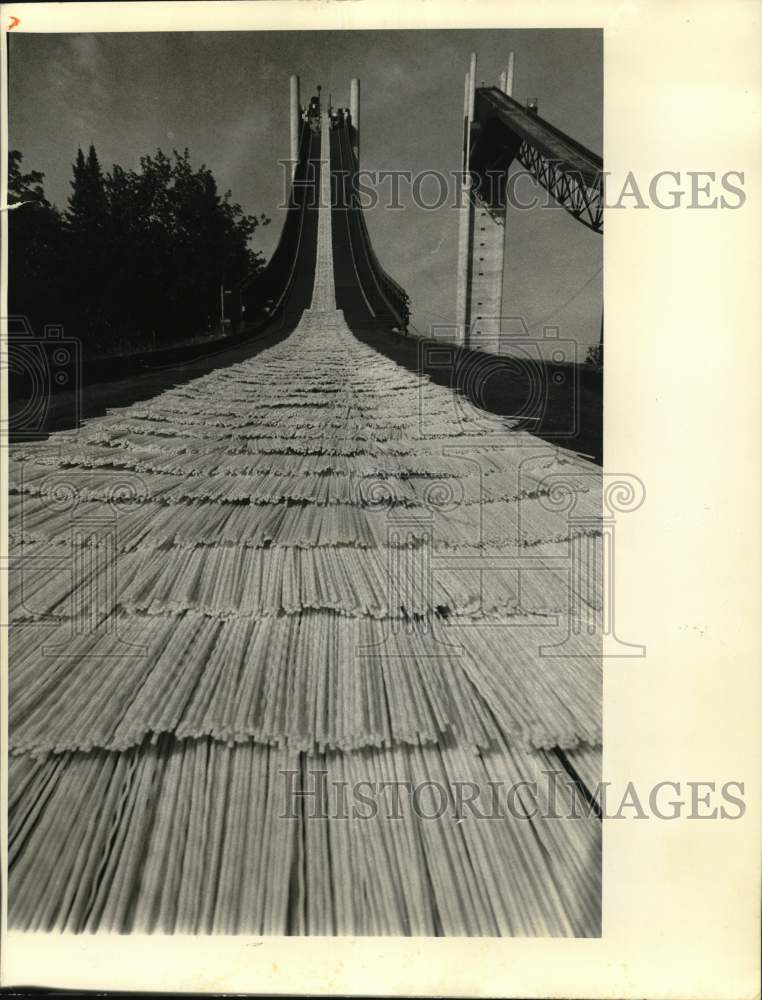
column 140, row 254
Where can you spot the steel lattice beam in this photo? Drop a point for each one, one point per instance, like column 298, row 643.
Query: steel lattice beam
column 583, row 200
column 503, row 131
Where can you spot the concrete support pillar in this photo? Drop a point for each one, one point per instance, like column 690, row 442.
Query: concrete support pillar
column 497, row 240
column 466, row 99
column 354, row 111
column 464, row 224
column 488, row 247
column 294, row 115
column 485, row 277
column 481, row 245
column 508, row 88
column 465, row 212
column 501, row 82
column 472, row 87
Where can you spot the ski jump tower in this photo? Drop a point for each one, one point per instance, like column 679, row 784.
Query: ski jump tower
column 324, row 166
column 497, row 131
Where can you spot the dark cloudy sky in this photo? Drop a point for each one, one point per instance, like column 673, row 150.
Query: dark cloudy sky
column 225, row 96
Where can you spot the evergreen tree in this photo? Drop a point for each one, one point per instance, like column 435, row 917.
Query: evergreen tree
column 87, row 265
column 138, row 257
column 86, row 213
column 35, row 245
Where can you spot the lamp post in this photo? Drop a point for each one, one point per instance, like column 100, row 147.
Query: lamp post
column 223, row 292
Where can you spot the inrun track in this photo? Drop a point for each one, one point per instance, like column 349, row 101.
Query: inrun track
column 312, row 559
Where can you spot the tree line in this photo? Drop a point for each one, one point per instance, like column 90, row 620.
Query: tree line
column 137, row 258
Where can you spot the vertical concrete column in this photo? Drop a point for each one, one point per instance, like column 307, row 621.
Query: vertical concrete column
column 294, row 121
column 488, row 246
column 354, row 111
column 464, row 225
column 499, row 286
column 472, row 87
column 466, row 123
column 482, row 251
column 508, row 88
column 485, row 276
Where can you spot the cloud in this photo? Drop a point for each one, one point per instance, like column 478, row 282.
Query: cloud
column 80, row 75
